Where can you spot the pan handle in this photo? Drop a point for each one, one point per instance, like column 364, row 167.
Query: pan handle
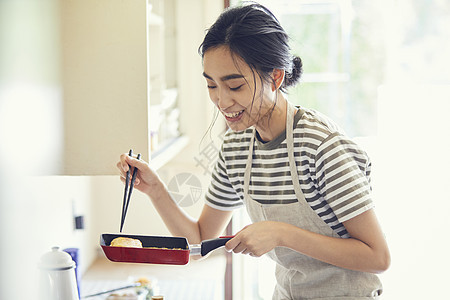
column 212, row 244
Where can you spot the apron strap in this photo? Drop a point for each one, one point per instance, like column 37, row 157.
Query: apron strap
column 290, row 150
column 248, row 165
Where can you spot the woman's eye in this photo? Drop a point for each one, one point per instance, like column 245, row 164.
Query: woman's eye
column 211, row 87
column 236, row 88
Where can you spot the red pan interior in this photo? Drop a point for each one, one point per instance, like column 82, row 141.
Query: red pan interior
column 172, row 255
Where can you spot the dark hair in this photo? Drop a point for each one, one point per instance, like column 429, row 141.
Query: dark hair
column 254, row 34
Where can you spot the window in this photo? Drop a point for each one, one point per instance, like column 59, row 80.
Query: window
column 375, row 67
column 343, row 58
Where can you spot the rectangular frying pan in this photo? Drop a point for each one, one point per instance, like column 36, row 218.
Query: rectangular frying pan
column 164, row 250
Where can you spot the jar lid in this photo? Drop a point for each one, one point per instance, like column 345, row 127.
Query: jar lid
column 56, row 259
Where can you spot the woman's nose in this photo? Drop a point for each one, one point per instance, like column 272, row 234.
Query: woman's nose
column 224, row 100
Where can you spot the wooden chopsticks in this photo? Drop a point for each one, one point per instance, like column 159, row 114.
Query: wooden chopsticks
column 127, row 194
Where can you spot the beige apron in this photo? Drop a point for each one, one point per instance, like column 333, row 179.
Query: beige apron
column 300, row 276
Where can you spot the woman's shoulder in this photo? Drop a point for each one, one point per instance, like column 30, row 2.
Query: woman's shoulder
column 237, row 137
column 314, row 121
column 313, row 128
column 315, row 131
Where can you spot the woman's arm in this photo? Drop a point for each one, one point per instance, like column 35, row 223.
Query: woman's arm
column 210, row 224
column 365, row 251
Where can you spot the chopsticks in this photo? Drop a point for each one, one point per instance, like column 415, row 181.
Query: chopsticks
column 127, row 194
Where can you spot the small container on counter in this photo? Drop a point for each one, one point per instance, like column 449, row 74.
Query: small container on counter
column 130, row 295
column 147, row 285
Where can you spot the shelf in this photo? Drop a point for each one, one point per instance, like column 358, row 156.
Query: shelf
column 167, row 151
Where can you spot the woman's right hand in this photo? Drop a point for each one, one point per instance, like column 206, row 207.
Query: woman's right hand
column 147, row 181
column 210, row 223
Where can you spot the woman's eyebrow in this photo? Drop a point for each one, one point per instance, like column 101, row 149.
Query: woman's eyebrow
column 224, row 78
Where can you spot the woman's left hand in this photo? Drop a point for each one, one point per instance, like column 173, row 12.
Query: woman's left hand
column 256, row 239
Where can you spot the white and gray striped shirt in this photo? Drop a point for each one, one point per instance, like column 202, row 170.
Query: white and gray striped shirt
column 334, row 173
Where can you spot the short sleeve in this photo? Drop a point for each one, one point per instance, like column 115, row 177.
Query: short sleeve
column 221, row 195
column 343, row 176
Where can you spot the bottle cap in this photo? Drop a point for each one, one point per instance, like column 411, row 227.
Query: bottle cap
column 56, row 260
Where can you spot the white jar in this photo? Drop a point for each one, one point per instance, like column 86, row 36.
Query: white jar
column 58, row 280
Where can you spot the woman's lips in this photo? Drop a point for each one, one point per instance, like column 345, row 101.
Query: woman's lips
column 233, row 116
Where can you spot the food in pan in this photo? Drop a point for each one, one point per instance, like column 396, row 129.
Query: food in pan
column 164, row 248
column 135, row 243
column 126, row 242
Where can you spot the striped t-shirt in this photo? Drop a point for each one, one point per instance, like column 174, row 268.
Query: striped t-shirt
column 334, row 173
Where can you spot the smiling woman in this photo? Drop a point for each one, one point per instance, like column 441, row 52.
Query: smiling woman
column 233, row 87
column 305, row 184
column 244, row 58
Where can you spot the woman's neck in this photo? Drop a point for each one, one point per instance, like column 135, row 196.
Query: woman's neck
column 274, row 122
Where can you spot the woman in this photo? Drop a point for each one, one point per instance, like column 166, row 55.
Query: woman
column 305, row 185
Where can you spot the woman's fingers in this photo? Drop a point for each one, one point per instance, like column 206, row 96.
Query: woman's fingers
column 241, row 248
column 231, row 244
column 140, row 164
column 145, row 178
column 246, row 251
column 122, row 178
column 254, row 239
column 127, row 161
column 236, row 246
column 121, row 169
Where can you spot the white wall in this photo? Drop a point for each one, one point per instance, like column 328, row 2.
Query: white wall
column 37, row 211
column 30, row 135
column 104, row 79
column 411, row 180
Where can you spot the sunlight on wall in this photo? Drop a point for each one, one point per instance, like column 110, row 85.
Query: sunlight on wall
column 30, row 133
column 412, row 199
column 30, row 118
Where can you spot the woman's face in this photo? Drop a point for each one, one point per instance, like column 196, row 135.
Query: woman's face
column 235, row 89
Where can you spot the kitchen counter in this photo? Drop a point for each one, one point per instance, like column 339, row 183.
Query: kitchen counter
column 201, row 279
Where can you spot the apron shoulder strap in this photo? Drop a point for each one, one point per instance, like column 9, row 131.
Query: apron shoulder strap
column 290, row 149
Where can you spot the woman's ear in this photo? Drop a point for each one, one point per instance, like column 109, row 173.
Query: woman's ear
column 277, row 77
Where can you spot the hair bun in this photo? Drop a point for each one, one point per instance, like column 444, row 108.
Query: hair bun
column 293, row 77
